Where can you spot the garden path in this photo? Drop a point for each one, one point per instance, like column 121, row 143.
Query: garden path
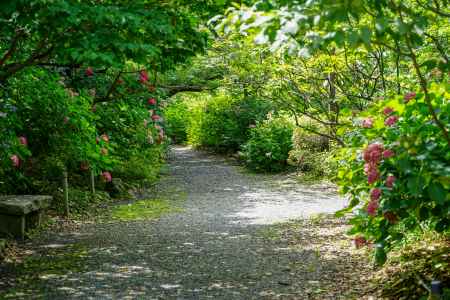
column 217, row 246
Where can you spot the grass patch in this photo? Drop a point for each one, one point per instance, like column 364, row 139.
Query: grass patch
column 144, row 210
column 36, row 273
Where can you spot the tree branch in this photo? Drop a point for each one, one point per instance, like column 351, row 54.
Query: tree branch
column 12, row 48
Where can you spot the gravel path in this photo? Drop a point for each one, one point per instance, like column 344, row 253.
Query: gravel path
column 217, row 247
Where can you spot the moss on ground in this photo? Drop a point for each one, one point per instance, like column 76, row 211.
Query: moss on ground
column 144, row 210
column 35, row 273
column 166, row 202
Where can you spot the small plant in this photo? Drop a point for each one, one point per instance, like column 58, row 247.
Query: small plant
column 311, row 155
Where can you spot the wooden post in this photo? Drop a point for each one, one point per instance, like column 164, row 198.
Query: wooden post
column 93, row 183
column 66, row 193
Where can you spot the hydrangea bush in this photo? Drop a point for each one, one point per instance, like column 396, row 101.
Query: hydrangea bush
column 396, row 170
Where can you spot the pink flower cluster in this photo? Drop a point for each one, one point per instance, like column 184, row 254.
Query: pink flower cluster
column 388, row 110
column 373, row 153
column 89, row 72
column 409, row 96
column 15, row 160
column 143, row 76
column 373, row 204
column 106, row 176
column 390, row 181
column 23, row 141
column 372, row 156
column 367, row 123
column 390, row 120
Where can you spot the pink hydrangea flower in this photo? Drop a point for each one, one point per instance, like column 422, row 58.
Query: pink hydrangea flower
column 367, row 123
column 367, row 168
column 409, row 96
column 151, row 101
column 388, row 110
column 390, row 120
column 15, row 160
column 373, row 153
column 143, row 76
column 89, row 72
column 23, row 141
column 375, row 194
column 372, row 208
column 388, row 153
column 107, row 176
column 390, row 181
column 373, row 175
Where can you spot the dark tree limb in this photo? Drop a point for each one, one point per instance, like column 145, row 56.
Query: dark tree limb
column 12, row 47
column 175, row 89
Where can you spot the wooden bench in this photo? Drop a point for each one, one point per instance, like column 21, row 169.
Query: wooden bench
column 19, row 213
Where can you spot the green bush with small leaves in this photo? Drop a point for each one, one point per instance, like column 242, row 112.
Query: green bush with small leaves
column 222, row 122
column 268, row 148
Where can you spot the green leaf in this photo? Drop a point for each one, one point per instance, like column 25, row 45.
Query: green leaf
column 414, row 185
column 366, row 34
column 437, row 192
column 344, row 211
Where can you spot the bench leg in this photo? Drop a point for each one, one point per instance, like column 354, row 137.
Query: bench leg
column 22, row 227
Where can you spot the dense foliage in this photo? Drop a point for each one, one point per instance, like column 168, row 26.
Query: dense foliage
column 279, row 82
column 221, row 122
column 397, row 168
column 365, row 59
column 81, row 95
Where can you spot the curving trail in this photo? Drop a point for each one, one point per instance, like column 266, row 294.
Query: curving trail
column 214, row 248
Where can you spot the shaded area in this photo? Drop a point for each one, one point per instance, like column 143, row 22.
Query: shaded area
column 213, row 248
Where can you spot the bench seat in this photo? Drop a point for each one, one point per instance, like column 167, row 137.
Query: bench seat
column 19, row 213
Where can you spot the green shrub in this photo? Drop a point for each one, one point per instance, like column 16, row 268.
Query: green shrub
column 223, row 122
column 396, row 169
column 59, row 129
column 46, row 127
column 310, row 154
column 176, row 115
column 142, row 167
column 269, row 145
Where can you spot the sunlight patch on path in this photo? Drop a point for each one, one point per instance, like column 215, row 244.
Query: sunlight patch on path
column 263, row 206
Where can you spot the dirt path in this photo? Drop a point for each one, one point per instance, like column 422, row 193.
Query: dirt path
column 219, row 245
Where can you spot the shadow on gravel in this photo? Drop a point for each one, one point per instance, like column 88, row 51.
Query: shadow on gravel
column 214, row 248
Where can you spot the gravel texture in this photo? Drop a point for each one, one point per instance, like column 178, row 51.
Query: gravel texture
column 216, row 247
